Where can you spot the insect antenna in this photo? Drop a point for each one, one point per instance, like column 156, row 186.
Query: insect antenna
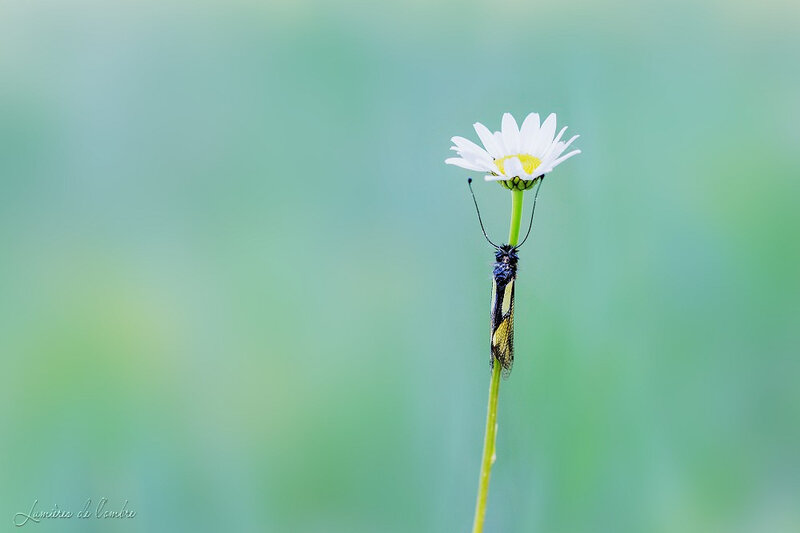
column 469, row 182
column 533, row 210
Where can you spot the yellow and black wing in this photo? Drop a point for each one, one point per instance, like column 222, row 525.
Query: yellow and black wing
column 502, row 326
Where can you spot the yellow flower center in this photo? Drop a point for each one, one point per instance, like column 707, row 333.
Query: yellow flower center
column 529, row 163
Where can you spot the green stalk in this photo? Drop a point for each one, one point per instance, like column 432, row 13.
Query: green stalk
column 516, row 216
column 488, row 450
column 494, row 390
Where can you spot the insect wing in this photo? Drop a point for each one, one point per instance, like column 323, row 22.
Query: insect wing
column 502, row 341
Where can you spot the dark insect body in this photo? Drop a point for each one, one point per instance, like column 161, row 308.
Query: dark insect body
column 504, row 277
column 501, row 320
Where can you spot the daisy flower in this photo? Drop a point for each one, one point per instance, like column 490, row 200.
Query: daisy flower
column 514, row 156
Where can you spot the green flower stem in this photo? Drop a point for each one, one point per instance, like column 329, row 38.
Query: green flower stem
column 494, row 390
column 516, row 216
column 488, row 450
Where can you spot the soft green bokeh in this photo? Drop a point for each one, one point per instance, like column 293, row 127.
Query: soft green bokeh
column 241, row 290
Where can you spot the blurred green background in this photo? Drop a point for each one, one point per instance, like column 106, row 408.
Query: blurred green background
column 241, row 289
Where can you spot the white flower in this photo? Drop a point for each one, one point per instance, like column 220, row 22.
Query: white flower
column 514, row 156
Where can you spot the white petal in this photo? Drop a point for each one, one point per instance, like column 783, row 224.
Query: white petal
column 498, row 138
column 560, row 147
column 493, row 178
column 510, row 133
column 473, row 154
column 540, row 171
column 570, row 142
column 564, row 158
column 560, row 134
column 482, row 163
column 528, row 131
column 467, row 145
column 462, row 163
column 513, row 168
column 487, row 139
column 545, row 137
column 467, row 153
column 554, row 146
column 490, row 166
